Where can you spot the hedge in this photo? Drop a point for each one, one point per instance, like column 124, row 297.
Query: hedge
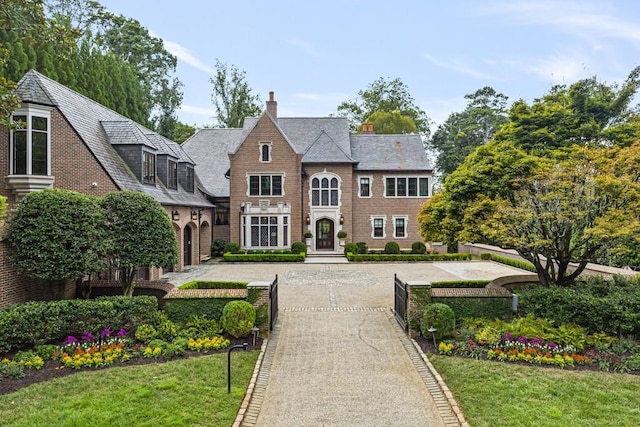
column 406, row 257
column 489, row 308
column 179, row 310
column 208, row 284
column 461, row 284
column 524, row 265
column 266, row 257
column 42, row 322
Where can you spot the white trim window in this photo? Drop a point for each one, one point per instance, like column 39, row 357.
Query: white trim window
column 265, row 231
column 265, row 152
column 378, row 227
column 265, row 185
column 400, row 226
column 406, row 186
column 30, row 144
column 148, row 167
column 325, row 190
column 364, row 186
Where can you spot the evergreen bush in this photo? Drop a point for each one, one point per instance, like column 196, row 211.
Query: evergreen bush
column 439, row 316
column 238, row 317
column 392, row 248
column 418, row 248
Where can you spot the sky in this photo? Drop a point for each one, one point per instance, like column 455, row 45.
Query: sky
column 316, row 54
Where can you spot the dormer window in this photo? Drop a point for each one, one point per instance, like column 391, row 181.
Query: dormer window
column 31, row 143
column 172, row 174
column 265, row 152
column 190, row 187
column 148, row 168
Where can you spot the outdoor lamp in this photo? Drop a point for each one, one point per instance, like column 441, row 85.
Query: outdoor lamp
column 308, row 219
column 433, row 334
column 194, row 215
column 341, row 219
column 175, row 215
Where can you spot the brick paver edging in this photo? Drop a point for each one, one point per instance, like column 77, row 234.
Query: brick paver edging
column 252, row 385
column 452, row 401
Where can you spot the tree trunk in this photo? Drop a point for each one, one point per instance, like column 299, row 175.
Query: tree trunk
column 127, row 276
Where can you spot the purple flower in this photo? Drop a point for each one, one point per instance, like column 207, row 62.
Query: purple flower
column 106, row 333
column 87, row 336
column 121, row 333
column 522, row 340
column 537, row 341
column 552, row 346
column 507, row 337
column 71, row 340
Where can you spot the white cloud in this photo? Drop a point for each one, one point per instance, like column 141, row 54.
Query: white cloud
column 458, row 67
column 199, row 111
column 559, row 68
column 185, row 55
column 305, row 46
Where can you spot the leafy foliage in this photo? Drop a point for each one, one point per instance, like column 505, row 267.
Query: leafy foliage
column 140, row 234
column 238, row 317
column 298, row 248
column 418, row 248
column 391, row 122
column 439, row 316
column 232, row 97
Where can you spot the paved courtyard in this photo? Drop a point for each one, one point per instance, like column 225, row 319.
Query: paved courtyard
column 337, row 356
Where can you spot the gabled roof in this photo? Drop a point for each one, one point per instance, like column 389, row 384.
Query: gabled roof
column 96, row 124
column 389, row 152
column 325, row 150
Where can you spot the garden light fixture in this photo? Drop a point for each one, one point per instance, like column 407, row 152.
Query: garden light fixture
column 235, row 347
column 433, row 335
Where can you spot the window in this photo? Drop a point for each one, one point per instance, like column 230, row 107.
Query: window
column 365, row 186
column 400, row 227
column 172, row 172
column 266, row 231
column 190, row 186
column 377, row 227
column 407, row 187
column 265, row 152
column 31, row 143
column 148, row 168
column 325, row 191
column 265, row 185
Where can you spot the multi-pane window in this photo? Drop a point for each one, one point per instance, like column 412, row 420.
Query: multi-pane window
column 30, row 144
column 148, row 167
column 407, row 187
column 378, row 227
column 399, row 227
column 266, row 231
column 325, row 191
column 190, row 184
column 265, row 152
column 265, row 185
column 172, row 174
column 365, row 186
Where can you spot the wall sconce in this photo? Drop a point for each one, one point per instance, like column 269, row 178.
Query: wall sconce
column 341, row 219
column 194, row 215
column 308, row 219
column 175, row 215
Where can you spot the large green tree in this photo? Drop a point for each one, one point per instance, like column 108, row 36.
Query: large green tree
column 140, row 234
column 384, row 95
column 465, row 131
column 391, row 122
column 56, row 235
column 232, row 97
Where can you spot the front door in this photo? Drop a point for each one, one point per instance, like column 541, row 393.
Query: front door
column 187, row 245
column 324, row 235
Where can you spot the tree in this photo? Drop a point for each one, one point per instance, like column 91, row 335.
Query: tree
column 232, row 97
column 391, row 122
column 56, row 235
column 140, row 234
column 569, row 213
column 465, row 131
column 384, row 95
column 182, row 132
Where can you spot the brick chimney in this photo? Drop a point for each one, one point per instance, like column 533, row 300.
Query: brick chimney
column 272, row 107
column 367, row 128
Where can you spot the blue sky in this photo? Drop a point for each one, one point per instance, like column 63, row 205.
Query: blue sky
column 314, row 55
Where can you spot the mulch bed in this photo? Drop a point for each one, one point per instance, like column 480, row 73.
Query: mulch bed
column 53, row 369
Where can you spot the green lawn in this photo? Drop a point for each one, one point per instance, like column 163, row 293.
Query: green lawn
column 493, row 393
column 187, row 392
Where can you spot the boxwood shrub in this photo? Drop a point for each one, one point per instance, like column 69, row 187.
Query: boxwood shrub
column 41, row 322
column 524, row 265
column 488, row 308
column 406, row 257
column 265, row 257
column 179, row 310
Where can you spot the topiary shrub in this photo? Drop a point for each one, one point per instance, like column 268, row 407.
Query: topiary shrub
column 350, row 247
column 485, row 256
column 418, row 248
column 232, row 247
column 362, row 247
column 298, row 248
column 439, row 316
column 238, row 317
column 218, row 247
column 391, row 248
column 146, row 332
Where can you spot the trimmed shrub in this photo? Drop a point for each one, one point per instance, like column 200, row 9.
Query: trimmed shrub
column 238, row 317
column 298, row 248
column 461, row 284
column 439, row 316
column 218, row 247
column 485, row 256
column 408, row 257
column 264, row 257
column 524, row 265
column 213, row 284
column 350, row 248
column 391, row 248
column 362, row 247
column 232, row 248
column 418, row 248
column 180, row 310
column 490, row 308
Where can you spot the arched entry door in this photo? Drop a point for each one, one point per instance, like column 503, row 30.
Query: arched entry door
column 324, row 235
column 187, row 243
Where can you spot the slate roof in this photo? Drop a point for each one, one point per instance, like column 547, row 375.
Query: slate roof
column 325, row 150
column 99, row 127
column 389, row 152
